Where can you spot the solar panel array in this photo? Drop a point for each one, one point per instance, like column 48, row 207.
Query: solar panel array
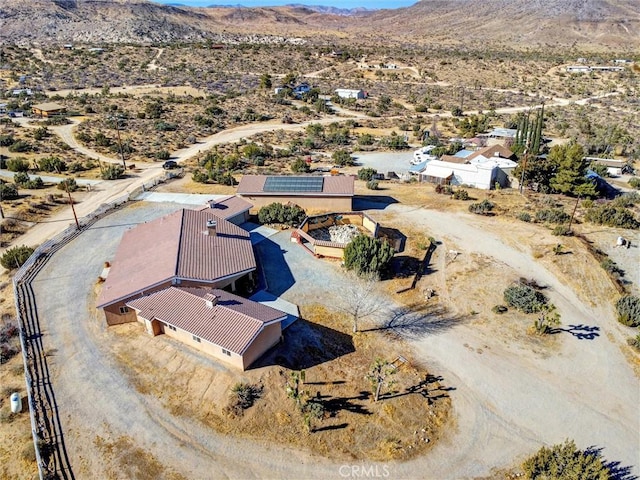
column 293, row 184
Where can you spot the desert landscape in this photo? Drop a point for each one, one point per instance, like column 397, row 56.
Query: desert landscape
column 501, row 327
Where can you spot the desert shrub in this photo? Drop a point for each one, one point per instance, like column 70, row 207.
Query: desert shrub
column 41, row 133
column 588, row 203
column 611, row 267
column 524, row 298
column 6, row 140
column 366, row 174
column 342, row 158
column 51, row 164
column 15, row 257
column 300, row 166
column 628, row 199
column 20, row 146
column 524, row 216
column 17, row 164
column 499, row 309
column 367, row 255
column 200, row 176
column 373, row 185
column 8, row 191
column 628, row 308
column 552, row 215
column 366, row 139
column 278, row 213
column 76, row 166
column 68, row 185
column 611, row 216
column 21, row 178
column 634, row 342
column 163, row 155
column 241, row 397
column 565, row 462
column 483, row 208
column 461, row 194
column 634, row 182
column 112, row 172
column 166, row 127
column 560, row 230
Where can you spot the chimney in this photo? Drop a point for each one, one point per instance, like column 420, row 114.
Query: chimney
column 211, row 227
column 211, row 300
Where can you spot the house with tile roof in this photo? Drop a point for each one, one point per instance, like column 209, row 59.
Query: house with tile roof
column 186, row 248
column 313, row 193
column 230, row 328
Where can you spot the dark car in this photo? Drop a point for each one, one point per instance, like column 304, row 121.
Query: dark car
column 170, row 165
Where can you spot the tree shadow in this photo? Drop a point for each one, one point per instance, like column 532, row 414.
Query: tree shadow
column 581, row 332
column 617, row 471
column 333, row 405
column 330, row 427
column 429, row 388
column 306, row 344
column 417, row 320
column 372, row 202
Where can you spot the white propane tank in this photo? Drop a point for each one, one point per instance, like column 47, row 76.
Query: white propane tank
column 16, row 403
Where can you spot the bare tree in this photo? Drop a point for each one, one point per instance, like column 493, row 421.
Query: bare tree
column 359, row 298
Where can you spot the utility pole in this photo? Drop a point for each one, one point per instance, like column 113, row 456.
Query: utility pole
column 575, row 207
column 73, row 209
column 524, row 168
column 120, row 142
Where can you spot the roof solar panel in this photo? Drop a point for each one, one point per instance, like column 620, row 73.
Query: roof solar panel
column 293, row 184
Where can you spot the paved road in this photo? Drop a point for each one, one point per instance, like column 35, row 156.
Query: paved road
column 51, row 179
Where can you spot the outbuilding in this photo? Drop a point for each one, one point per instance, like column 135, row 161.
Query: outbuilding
column 48, row 109
column 351, row 93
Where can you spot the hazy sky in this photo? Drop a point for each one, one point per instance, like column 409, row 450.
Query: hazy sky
column 333, row 3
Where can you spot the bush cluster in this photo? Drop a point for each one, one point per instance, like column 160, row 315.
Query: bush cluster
column 628, row 308
column 15, row 257
column 483, row 208
column 566, row 462
column 291, row 215
column 552, row 215
column 461, row 195
column 367, row 255
column 22, row 180
column 366, row 174
column 612, row 216
column 524, row 298
column 8, row 191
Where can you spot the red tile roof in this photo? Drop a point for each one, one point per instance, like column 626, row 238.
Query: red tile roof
column 176, row 246
column 334, row 185
column 229, row 321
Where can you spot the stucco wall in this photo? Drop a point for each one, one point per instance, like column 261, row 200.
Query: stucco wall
column 267, row 338
column 114, row 317
column 309, row 204
column 333, row 252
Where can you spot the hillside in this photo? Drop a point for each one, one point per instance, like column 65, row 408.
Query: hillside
column 601, row 24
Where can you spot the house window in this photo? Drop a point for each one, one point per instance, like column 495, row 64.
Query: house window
column 226, row 352
column 197, row 339
column 124, row 310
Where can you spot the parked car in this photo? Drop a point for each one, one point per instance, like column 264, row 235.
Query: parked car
column 170, row 165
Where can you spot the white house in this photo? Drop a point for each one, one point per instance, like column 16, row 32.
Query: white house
column 350, row 93
column 483, row 175
column 614, row 167
column 578, row 69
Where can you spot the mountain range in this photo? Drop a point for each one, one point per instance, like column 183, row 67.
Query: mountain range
column 594, row 24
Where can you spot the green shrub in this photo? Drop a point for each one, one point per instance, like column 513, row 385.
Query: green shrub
column 634, row 182
column 21, row 178
column 552, row 215
column 524, row 216
column 20, row 146
column 373, row 185
column 461, row 194
column 524, row 298
column 628, row 199
column 68, row 184
column 166, row 127
column 628, row 308
column 8, row 191
column 610, row 266
column 17, row 164
column 561, row 230
column 112, row 172
column 483, row 208
column 291, row 215
column 6, row 140
column 367, row 255
column 612, row 217
column 163, row 155
column 566, row 462
column 15, row 257
column 634, row 342
column 200, row 176
column 366, row 174
column 588, row 203
column 343, row 158
column 300, row 166
column 241, row 397
column 51, row 164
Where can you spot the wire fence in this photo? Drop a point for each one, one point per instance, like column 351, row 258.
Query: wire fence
column 51, row 454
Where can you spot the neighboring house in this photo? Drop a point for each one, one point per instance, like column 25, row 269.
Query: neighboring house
column 479, row 175
column 233, row 209
column 312, row 193
column 578, row 69
column 615, row 168
column 186, row 248
column 351, row 93
column 48, row 109
column 22, row 91
column 231, row 328
column 499, row 133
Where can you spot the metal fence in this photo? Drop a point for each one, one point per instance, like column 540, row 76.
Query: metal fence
column 51, row 454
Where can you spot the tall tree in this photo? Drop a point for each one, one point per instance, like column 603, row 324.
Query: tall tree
column 570, row 177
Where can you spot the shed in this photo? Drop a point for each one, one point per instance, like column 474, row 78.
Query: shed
column 48, row 109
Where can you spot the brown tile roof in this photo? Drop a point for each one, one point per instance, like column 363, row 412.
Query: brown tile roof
column 228, row 207
column 490, row 151
column 232, row 322
column 176, row 246
column 334, row 185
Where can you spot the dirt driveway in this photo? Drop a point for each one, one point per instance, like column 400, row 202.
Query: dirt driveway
column 508, row 398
